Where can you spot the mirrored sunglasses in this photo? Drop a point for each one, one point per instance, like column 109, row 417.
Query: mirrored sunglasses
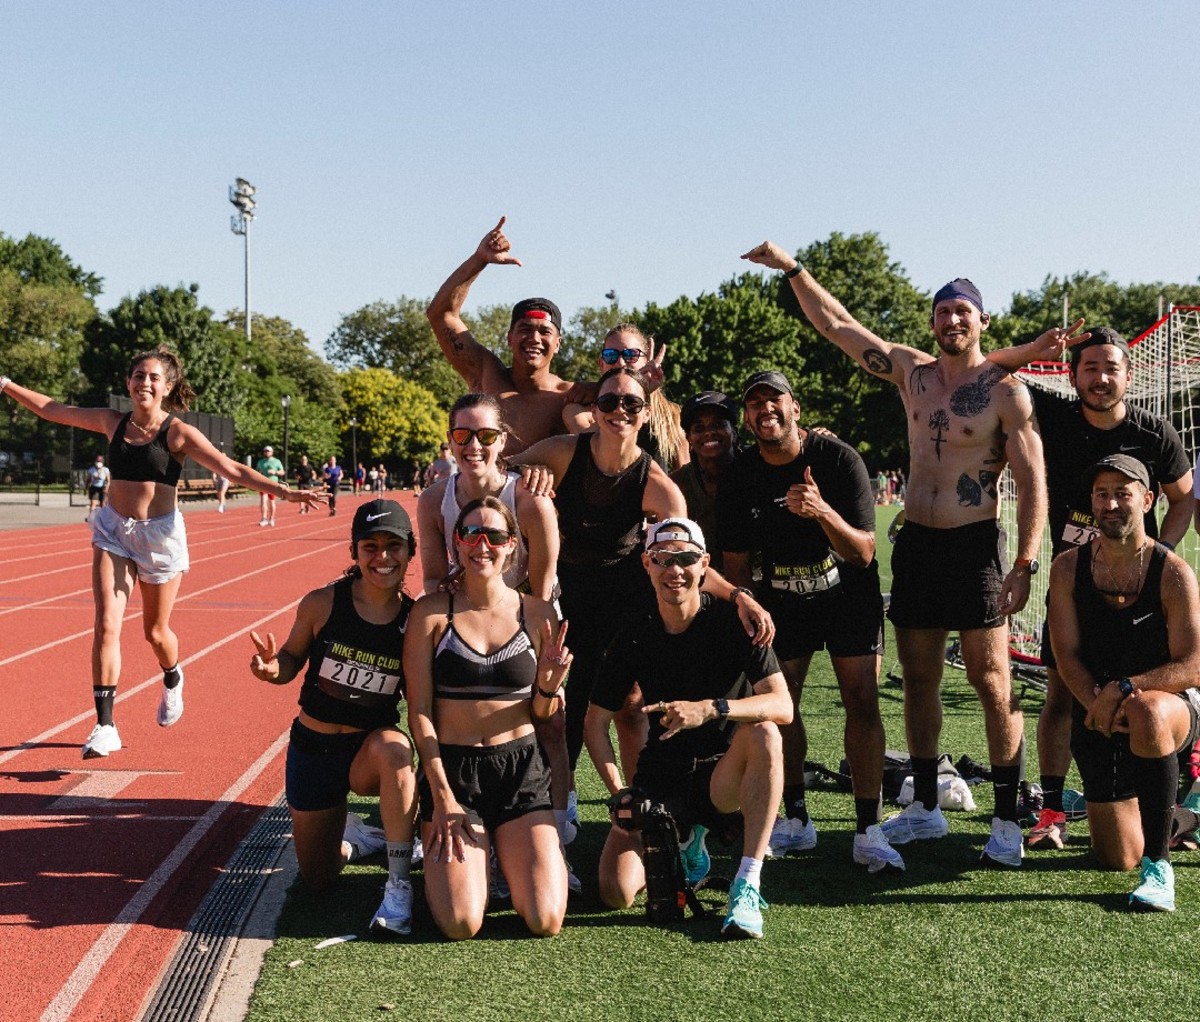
column 486, row 436
column 610, row 356
column 675, row 558
column 472, row 535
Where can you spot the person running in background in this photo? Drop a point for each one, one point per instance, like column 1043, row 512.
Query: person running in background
column 360, row 478
column 332, row 473
column 345, row 737
column 98, row 478
column 442, row 467
column 139, row 535
column 305, row 475
column 271, row 467
column 482, row 664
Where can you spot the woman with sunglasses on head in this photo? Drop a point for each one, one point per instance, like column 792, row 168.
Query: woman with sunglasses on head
column 477, row 436
column 345, row 737
column 606, row 488
column 139, row 536
column 662, row 437
column 483, row 663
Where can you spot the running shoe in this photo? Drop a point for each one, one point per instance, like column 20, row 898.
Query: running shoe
column 915, row 823
column 362, row 838
column 574, row 884
column 744, row 918
column 103, row 740
column 393, row 918
column 1156, row 892
column 262, row 524
column 418, row 853
column 1074, row 804
column 789, row 835
column 498, row 889
column 170, row 703
column 696, row 861
column 873, row 851
column 1006, row 846
column 1050, row 831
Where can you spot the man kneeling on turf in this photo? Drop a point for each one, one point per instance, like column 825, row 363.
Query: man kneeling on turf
column 715, row 701
column 1125, row 629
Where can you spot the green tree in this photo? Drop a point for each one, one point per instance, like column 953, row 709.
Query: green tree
column 278, row 347
column 397, row 418
column 395, row 336
column 174, row 318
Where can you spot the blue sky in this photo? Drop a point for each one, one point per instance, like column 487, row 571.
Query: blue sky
column 634, row 146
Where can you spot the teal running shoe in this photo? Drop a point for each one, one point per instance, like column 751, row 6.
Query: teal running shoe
column 1156, row 892
column 744, row 918
column 696, row 860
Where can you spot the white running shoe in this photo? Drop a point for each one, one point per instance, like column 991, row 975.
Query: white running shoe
column 103, row 740
column 788, row 835
column 1006, row 846
column 916, row 823
column 418, row 853
column 262, row 524
column 170, row 703
column 393, row 918
column 362, row 838
column 873, row 851
column 221, row 510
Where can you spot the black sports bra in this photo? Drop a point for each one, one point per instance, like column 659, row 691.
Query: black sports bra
column 460, row 672
column 143, row 463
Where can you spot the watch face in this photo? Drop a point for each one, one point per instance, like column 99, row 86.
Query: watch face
column 1034, row 567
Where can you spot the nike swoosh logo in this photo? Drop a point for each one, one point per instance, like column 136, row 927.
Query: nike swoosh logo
column 1139, row 620
column 382, row 514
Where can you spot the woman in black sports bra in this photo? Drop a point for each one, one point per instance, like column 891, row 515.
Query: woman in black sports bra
column 481, row 664
column 139, row 534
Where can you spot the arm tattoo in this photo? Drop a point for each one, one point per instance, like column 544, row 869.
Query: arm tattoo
column 939, row 422
column 877, row 362
column 454, row 339
column 916, row 379
column 972, row 398
column 971, row 491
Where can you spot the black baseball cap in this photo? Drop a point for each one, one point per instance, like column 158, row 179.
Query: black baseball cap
column 707, row 399
column 769, row 378
column 380, row 516
column 1127, row 465
column 1100, row 335
column 536, row 308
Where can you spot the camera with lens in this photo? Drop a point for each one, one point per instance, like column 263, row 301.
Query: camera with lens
column 667, row 888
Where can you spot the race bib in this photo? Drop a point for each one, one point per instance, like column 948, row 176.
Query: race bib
column 357, row 676
column 805, row 579
column 1080, row 529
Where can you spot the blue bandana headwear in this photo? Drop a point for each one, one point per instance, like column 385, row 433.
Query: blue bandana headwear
column 959, row 288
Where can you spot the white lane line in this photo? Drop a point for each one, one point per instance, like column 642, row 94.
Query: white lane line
column 155, row 679
column 85, row 973
column 137, row 614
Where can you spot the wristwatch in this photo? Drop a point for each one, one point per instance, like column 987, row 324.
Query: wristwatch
column 722, row 708
column 1027, row 562
column 740, row 589
column 1125, row 686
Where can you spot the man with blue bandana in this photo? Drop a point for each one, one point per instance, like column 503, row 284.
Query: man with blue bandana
column 967, row 419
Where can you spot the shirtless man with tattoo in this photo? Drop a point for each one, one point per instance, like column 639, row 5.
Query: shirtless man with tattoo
column 530, row 395
column 967, row 419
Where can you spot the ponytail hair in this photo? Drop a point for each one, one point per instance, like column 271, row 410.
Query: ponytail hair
column 179, row 392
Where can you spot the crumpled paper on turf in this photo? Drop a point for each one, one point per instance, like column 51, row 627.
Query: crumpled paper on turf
column 953, row 793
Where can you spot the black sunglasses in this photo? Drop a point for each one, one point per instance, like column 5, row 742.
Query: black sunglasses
column 675, row 558
column 487, row 436
column 473, row 535
column 630, row 403
column 610, row 356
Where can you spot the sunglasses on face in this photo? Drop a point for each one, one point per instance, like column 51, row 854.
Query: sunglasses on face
column 486, row 436
column 610, row 356
column 630, row 403
column 675, row 558
column 472, row 535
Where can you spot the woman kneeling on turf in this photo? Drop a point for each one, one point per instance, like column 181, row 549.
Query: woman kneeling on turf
column 345, row 737
column 481, row 664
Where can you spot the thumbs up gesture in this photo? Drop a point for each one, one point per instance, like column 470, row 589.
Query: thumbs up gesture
column 804, row 499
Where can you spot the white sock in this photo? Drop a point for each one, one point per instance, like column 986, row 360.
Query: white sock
column 750, row 870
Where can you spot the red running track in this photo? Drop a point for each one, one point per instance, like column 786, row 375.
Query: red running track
column 104, row 861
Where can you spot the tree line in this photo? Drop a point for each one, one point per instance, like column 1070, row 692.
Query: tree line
column 383, row 369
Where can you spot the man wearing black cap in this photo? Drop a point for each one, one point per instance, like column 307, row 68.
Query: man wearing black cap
column 967, row 418
column 531, row 396
column 804, row 503
column 1077, row 434
column 709, row 421
column 1125, row 626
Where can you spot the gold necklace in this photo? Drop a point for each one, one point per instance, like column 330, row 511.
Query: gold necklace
column 1130, row 587
column 146, row 431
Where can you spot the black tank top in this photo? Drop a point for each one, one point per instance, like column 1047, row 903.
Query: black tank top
column 1117, row 642
column 599, row 516
column 143, row 463
column 354, row 675
column 460, row 672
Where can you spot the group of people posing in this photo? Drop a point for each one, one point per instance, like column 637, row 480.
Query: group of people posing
column 603, row 562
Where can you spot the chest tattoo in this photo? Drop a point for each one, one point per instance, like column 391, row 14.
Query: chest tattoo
column 877, row 362
column 939, row 422
column 971, row 491
column 972, row 398
column 916, row 379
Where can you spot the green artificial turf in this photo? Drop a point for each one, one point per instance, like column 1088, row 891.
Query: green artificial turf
column 946, row 940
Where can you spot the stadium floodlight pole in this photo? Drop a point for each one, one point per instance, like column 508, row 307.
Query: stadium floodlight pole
column 286, row 401
column 241, row 195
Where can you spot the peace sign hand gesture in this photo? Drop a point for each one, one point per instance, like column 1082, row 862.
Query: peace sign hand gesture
column 556, row 659
column 652, row 371
column 264, row 665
